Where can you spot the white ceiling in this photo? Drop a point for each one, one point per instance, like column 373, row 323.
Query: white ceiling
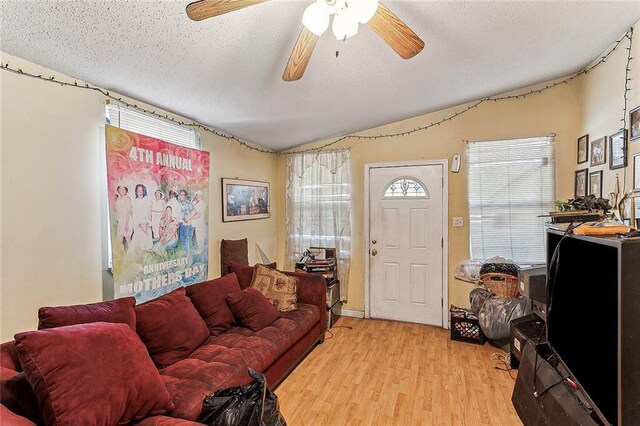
column 226, row 72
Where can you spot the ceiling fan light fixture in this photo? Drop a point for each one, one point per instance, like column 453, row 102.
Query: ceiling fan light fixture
column 316, row 18
column 345, row 24
column 363, row 9
column 333, row 6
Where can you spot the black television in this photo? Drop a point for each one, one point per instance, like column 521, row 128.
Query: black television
column 583, row 317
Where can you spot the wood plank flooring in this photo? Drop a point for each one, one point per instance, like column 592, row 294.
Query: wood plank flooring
column 392, row 373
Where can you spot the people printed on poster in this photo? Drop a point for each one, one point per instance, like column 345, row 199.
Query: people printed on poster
column 158, row 214
column 142, row 223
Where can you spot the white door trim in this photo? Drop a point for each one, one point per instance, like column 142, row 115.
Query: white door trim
column 445, row 230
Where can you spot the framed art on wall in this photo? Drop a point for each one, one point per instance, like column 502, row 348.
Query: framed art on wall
column 595, row 183
column 580, row 187
column 583, row 149
column 634, row 123
column 598, row 151
column 618, row 150
column 245, row 200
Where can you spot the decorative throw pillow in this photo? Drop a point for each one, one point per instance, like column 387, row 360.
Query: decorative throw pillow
column 117, row 311
column 252, row 309
column 72, row 369
column 170, row 327
column 278, row 288
column 236, row 251
column 210, row 299
column 245, row 273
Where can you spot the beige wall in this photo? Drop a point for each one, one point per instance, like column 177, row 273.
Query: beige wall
column 554, row 111
column 602, row 104
column 52, row 195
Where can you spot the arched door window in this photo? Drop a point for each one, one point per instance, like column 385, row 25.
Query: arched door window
column 406, row 187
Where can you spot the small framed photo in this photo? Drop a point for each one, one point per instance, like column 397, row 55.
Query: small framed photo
column 598, row 152
column 245, row 200
column 634, row 123
column 595, row 183
column 636, row 173
column 618, row 150
column 583, row 149
column 581, row 182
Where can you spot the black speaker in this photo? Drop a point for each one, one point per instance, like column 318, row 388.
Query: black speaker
column 548, row 399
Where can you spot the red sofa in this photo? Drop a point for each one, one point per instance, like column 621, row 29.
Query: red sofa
column 218, row 362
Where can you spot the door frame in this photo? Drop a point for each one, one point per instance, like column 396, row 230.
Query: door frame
column 445, row 229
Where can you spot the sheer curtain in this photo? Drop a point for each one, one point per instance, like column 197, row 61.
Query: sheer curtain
column 318, row 207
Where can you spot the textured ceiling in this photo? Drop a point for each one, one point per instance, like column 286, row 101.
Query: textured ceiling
column 226, row 71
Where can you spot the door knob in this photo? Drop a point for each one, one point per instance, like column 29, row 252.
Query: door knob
column 374, row 252
column 374, row 242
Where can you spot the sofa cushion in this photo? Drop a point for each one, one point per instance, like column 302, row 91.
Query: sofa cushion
column 245, row 273
column 252, row 309
column 281, row 290
column 71, row 369
column 118, row 311
column 259, row 349
column 17, row 395
column 170, row 327
column 222, row 360
column 210, row 299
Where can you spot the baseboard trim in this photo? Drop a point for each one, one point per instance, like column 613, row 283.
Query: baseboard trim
column 350, row 313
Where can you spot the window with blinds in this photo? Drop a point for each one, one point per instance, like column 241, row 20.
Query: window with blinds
column 139, row 122
column 511, row 183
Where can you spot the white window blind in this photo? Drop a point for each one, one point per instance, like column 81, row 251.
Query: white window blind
column 511, row 182
column 139, row 122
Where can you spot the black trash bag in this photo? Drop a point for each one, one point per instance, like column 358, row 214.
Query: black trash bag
column 248, row 405
column 477, row 297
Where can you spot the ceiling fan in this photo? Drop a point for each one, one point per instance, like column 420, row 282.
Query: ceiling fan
column 347, row 15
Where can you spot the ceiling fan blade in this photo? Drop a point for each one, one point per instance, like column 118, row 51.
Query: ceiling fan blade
column 300, row 55
column 204, row 9
column 395, row 33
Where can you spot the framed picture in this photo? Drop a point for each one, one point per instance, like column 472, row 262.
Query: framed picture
column 245, row 200
column 580, row 188
column 583, row 149
column 618, row 150
column 634, row 123
column 598, row 150
column 636, row 173
column 595, row 183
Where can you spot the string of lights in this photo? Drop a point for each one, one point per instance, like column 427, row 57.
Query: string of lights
column 120, row 99
column 627, row 79
column 627, row 36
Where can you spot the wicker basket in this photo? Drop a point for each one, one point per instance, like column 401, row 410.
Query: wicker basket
column 503, row 285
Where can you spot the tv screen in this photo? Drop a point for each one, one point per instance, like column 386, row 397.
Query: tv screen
column 582, row 318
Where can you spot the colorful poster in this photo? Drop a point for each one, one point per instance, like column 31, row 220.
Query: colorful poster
column 158, row 211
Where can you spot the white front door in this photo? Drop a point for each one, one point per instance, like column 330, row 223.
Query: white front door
column 406, row 243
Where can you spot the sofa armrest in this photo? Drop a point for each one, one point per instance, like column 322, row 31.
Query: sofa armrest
column 9, row 356
column 312, row 289
column 9, row 418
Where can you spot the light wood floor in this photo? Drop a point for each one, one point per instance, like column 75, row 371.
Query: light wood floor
column 392, row 373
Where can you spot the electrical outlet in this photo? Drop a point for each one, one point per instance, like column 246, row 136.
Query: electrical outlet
column 458, row 221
